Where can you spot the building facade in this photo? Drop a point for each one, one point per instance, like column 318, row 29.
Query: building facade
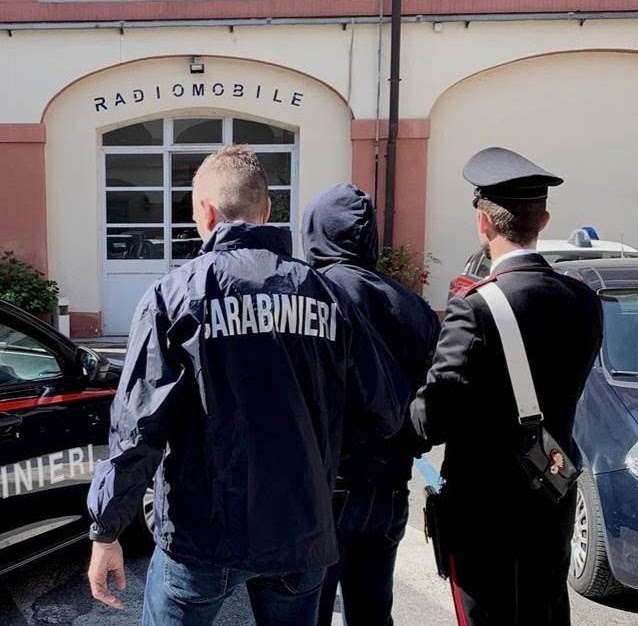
column 106, row 114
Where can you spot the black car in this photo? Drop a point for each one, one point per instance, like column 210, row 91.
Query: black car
column 605, row 540
column 54, row 422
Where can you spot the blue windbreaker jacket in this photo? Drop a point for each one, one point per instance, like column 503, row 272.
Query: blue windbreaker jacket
column 240, row 367
column 340, row 241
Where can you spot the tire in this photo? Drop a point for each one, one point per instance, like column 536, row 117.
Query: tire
column 138, row 537
column 589, row 572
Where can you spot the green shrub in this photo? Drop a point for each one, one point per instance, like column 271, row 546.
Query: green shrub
column 23, row 286
column 410, row 268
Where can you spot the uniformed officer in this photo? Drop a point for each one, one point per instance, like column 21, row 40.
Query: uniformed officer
column 239, row 368
column 509, row 544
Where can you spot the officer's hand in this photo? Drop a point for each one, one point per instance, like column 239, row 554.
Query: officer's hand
column 105, row 558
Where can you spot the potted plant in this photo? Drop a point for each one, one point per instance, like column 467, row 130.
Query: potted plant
column 410, row 268
column 24, row 286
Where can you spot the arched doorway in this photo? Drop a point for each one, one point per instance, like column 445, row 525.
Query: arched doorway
column 148, row 168
column 123, row 143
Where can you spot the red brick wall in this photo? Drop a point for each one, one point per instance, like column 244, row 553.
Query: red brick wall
column 34, row 11
column 412, row 148
column 23, row 193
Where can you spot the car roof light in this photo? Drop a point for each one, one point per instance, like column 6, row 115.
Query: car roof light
column 591, row 231
column 580, row 238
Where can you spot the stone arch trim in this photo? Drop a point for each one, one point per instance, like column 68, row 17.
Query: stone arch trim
column 526, row 58
column 186, row 55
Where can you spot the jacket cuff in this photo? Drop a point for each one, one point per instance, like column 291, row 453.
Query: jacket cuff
column 96, row 533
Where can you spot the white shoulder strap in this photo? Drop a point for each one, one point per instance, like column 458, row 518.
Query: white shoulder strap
column 514, row 349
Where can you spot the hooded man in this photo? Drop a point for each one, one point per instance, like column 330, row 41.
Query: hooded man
column 371, row 499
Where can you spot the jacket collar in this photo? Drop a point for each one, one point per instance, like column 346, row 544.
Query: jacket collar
column 522, row 261
column 237, row 235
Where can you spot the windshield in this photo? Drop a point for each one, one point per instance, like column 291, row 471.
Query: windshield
column 620, row 342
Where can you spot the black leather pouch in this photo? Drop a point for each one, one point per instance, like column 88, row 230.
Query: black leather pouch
column 545, row 462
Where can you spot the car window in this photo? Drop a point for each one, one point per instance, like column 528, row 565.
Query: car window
column 24, row 359
column 483, row 268
column 620, row 344
column 469, row 264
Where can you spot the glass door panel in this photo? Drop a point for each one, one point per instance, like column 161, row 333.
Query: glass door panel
column 135, row 216
column 133, row 207
column 183, row 168
column 185, row 241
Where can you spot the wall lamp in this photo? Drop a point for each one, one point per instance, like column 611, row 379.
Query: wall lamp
column 196, row 65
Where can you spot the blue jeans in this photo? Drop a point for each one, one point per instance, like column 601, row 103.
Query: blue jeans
column 192, row 593
column 370, row 524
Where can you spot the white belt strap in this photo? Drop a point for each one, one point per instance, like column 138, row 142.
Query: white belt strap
column 514, row 349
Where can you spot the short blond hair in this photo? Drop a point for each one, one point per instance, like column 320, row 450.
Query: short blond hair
column 239, row 182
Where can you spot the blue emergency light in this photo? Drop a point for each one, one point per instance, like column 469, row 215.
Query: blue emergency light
column 591, row 231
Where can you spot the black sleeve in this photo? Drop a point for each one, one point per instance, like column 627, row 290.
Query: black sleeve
column 428, row 357
column 446, row 396
column 377, row 390
column 143, row 413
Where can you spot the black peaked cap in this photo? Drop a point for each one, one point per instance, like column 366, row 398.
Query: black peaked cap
column 501, row 174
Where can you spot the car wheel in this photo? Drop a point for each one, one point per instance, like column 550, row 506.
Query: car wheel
column 589, row 572
column 138, row 537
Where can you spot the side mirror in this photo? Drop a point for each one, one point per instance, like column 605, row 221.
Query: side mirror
column 92, row 365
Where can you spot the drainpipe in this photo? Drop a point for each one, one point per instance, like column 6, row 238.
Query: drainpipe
column 393, row 126
column 377, row 124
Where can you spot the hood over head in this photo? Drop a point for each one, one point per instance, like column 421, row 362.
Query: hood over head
column 339, row 226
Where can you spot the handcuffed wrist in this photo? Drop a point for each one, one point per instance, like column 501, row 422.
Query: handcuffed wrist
column 96, row 533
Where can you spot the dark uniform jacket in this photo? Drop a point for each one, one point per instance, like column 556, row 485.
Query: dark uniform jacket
column 340, row 240
column 468, row 402
column 240, row 367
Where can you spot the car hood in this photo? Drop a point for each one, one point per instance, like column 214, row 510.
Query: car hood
column 606, row 423
column 627, row 393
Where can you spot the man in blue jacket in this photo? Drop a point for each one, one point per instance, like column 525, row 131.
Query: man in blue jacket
column 240, row 367
column 371, row 499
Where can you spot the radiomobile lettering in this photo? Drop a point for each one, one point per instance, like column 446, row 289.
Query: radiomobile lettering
column 269, row 313
column 50, row 470
column 199, row 90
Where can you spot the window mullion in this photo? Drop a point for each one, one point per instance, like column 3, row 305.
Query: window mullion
column 168, row 204
column 227, row 135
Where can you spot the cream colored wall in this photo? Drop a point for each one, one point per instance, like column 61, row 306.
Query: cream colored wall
column 44, row 62
column 74, row 123
column 574, row 114
column 37, row 65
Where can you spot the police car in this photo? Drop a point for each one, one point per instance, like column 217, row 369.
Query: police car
column 581, row 244
column 54, row 422
column 605, row 540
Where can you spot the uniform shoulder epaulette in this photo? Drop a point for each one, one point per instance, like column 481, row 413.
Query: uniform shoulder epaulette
column 472, row 288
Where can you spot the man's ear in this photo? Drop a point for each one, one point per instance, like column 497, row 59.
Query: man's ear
column 210, row 213
column 265, row 215
column 544, row 221
column 485, row 226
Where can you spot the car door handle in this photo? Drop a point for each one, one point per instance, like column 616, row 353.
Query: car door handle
column 10, row 427
column 8, row 421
